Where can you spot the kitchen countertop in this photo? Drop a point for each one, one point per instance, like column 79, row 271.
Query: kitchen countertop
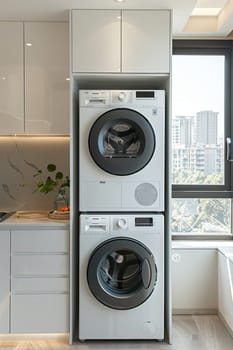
column 14, row 222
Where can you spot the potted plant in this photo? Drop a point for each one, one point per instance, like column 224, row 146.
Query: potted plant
column 54, row 181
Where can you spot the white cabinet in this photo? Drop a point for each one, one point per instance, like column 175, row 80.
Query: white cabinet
column 11, row 78
column 145, row 41
column 40, row 313
column 225, row 289
column 26, row 241
column 46, row 74
column 128, row 41
column 40, row 281
column 194, row 280
column 4, row 281
column 34, row 67
column 96, row 40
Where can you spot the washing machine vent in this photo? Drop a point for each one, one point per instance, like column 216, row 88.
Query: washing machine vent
column 146, row 194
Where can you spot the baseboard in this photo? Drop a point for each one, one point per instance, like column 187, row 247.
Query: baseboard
column 194, row 311
column 35, row 337
column 229, row 329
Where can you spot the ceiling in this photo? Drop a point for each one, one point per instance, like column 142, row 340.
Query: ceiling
column 185, row 25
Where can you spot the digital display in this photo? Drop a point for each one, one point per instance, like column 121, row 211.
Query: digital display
column 145, row 94
column 143, row 221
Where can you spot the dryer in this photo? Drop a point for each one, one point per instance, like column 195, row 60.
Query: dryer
column 121, row 150
column 121, row 277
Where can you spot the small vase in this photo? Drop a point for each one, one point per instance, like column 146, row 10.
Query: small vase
column 61, row 199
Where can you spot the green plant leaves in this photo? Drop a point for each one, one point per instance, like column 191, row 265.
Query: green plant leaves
column 51, row 167
column 59, row 175
column 50, row 183
column 47, row 185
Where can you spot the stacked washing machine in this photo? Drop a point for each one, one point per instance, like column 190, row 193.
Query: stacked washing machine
column 121, row 183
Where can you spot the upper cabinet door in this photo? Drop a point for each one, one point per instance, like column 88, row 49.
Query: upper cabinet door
column 11, row 78
column 145, row 41
column 96, row 41
column 46, row 74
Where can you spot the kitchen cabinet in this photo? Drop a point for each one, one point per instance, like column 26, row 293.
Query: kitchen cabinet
column 40, row 281
column 96, row 40
column 11, row 78
column 194, row 280
column 34, row 68
column 46, row 74
column 4, row 281
column 145, row 41
column 127, row 41
column 225, row 280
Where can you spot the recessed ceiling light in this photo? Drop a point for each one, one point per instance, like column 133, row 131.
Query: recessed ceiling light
column 201, row 11
column 28, row 44
column 120, row 0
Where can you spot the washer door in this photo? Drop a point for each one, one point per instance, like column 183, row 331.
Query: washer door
column 121, row 141
column 121, row 273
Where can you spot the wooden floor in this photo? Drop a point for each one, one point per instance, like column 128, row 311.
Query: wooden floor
column 189, row 333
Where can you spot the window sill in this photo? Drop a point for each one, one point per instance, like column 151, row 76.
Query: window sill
column 202, row 244
column 202, row 237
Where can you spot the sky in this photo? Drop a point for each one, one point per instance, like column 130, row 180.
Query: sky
column 197, row 85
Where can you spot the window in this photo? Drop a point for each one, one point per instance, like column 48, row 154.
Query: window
column 201, row 175
column 201, row 216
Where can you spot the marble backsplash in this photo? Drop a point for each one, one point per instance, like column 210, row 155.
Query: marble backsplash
column 19, row 159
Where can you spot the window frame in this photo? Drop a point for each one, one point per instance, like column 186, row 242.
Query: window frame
column 211, row 47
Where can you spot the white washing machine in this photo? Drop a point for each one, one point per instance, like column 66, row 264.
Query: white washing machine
column 121, row 150
column 121, row 277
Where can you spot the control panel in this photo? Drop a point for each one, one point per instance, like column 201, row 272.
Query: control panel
column 122, row 224
column 101, row 98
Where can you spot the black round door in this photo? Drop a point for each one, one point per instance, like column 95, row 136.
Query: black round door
column 121, row 273
column 121, row 141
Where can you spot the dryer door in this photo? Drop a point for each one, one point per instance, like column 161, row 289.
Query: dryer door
column 121, row 141
column 121, row 273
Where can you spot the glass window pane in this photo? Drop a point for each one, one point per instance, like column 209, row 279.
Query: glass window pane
column 198, row 119
column 201, row 216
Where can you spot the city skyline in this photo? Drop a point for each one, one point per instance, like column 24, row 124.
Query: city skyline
column 198, row 85
column 201, row 128
column 196, row 148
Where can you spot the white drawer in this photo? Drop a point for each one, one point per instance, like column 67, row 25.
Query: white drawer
column 40, row 241
column 40, row 264
column 44, row 313
column 40, row 284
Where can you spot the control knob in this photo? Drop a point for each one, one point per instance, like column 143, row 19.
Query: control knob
column 121, row 96
column 122, row 223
